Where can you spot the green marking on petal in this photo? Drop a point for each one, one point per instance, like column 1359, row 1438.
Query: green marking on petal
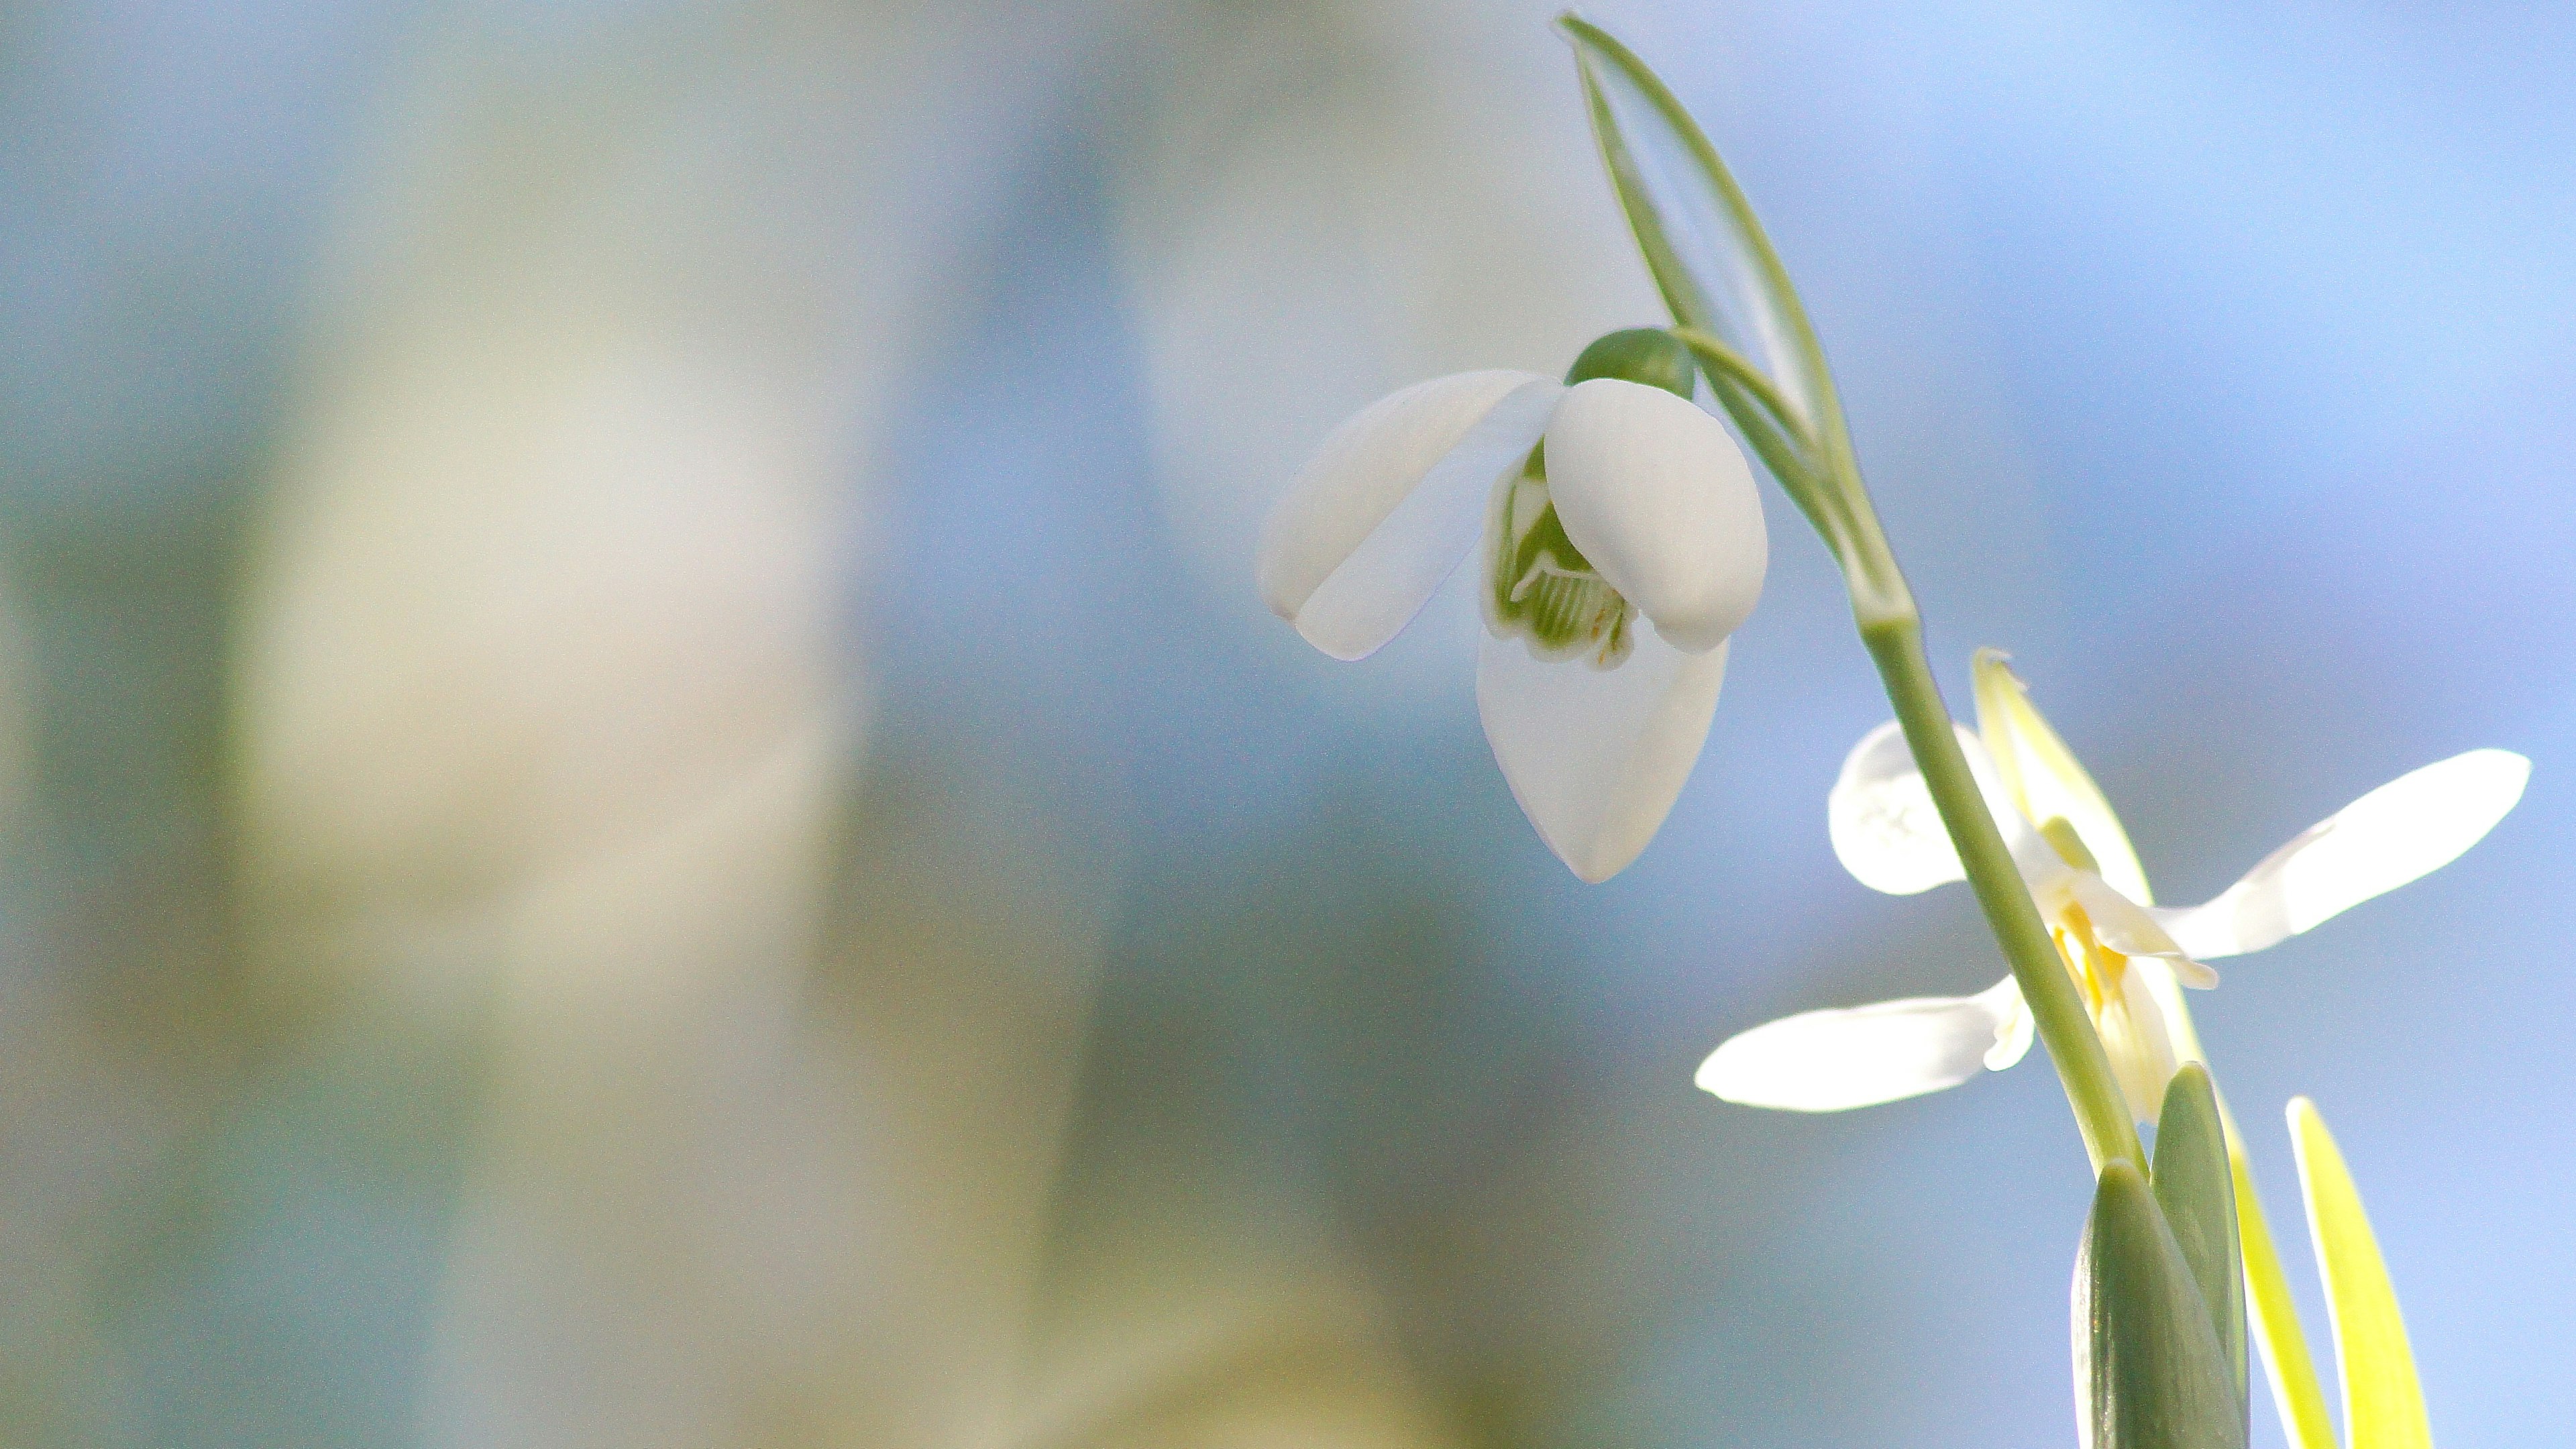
column 1539, row 587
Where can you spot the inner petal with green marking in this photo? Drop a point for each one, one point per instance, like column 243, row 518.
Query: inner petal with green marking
column 1540, row 588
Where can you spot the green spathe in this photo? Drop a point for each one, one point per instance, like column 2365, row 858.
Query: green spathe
column 2198, row 1195
column 2149, row 1373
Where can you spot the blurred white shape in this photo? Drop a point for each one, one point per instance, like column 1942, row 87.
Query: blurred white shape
column 547, row 589
column 739, row 1214
column 548, row 717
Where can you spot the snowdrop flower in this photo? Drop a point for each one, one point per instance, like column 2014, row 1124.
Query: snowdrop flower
column 1621, row 543
column 2127, row 954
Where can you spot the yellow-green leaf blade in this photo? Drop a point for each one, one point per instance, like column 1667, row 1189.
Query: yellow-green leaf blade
column 2296, row 1392
column 2383, row 1404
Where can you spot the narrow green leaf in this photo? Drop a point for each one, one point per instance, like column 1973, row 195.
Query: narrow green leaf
column 1709, row 257
column 2296, row 1394
column 2148, row 1371
column 2383, row 1404
column 2193, row 1187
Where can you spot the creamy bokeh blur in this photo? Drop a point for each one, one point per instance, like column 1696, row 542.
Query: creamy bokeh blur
column 644, row 799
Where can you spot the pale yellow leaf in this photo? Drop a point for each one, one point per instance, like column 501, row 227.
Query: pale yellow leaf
column 2383, row 1406
column 2275, row 1318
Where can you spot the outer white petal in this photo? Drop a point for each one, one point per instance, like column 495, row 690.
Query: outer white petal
column 2410, row 826
column 2013, row 1037
column 1887, row 832
column 1828, row 1061
column 1392, row 501
column 1660, row 500
column 1596, row 756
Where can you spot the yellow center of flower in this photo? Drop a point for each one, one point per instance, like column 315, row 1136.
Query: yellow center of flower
column 2097, row 968
column 1540, row 588
column 2101, row 971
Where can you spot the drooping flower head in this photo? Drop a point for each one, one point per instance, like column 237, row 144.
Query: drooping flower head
column 2127, row 955
column 1621, row 542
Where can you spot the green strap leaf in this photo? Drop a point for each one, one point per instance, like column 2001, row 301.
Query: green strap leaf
column 2383, row 1404
column 1701, row 241
column 2192, row 1185
column 2149, row 1373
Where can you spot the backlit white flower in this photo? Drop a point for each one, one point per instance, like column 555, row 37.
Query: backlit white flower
column 2125, row 953
column 1622, row 542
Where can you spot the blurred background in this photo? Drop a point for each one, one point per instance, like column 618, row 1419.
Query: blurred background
column 643, row 799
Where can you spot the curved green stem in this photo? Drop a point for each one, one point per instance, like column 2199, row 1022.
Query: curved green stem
column 1732, row 285
column 1717, row 357
column 2065, row 1028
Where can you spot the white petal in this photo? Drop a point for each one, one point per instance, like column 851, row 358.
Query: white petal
column 2158, row 978
column 1828, row 1061
column 1660, row 500
column 2410, row 826
column 1886, row 830
column 2130, row 929
column 1596, row 756
column 1392, row 501
column 2013, row 1036
column 2140, row 1048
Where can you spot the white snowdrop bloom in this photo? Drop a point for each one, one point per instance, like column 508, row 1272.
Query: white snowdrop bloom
column 1622, row 542
column 2127, row 954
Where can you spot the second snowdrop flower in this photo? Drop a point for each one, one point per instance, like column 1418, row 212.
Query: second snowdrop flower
column 1621, row 543
column 2126, row 954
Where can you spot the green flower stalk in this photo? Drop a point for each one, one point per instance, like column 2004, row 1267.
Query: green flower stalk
column 1738, row 312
